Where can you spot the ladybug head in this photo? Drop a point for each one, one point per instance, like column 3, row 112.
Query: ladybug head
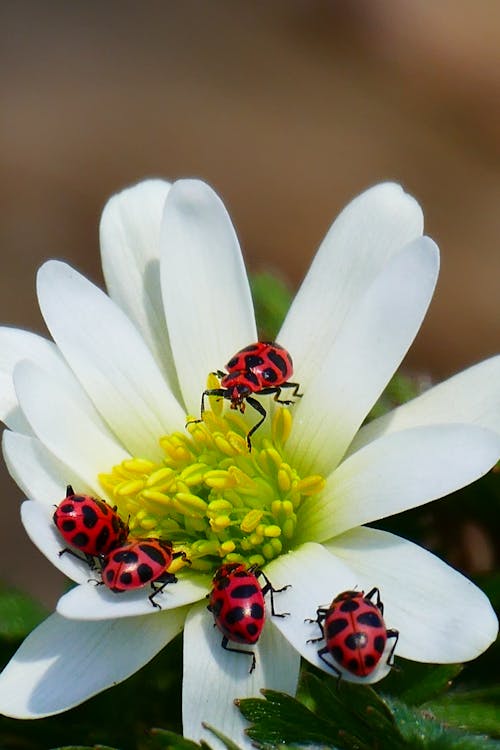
column 227, row 570
column 238, row 393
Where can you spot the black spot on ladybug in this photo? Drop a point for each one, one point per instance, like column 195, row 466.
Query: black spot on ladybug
column 235, row 614
column 257, row 611
column 278, row 360
column 78, row 499
column 126, row 578
column 371, row 619
column 145, row 572
column 349, row 605
column 370, row 661
column 356, row 640
column 155, row 554
column 353, row 666
column 252, row 628
column 232, row 363
column 80, row 540
column 223, row 583
column 102, row 538
column 66, row 508
column 269, row 375
column 336, row 626
column 125, row 556
column 252, row 378
column 68, row 525
column 89, row 517
column 379, row 643
column 245, row 591
column 253, row 360
column 109, row 576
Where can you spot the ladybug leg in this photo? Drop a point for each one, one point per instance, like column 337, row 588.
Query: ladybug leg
column 69, row 491
column 269, row 588
column 258, row 407
column 295, row 392
column 320, row 617
column 89, row 559
column 378, row 603
column 392, row 633
column 277, row 392
column 321, row 654
column 224, row 645
column 164, row 580
column 182, row 554
column 220, row 392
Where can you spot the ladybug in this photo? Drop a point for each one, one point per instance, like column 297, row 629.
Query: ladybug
column 262, row 368
column 237, row 604
column 355, row 633
column 89, row 525
column 137, row 563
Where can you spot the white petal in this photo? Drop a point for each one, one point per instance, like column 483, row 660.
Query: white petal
column 17, row 345
column 110, row 359
column 37, row 521
column 36, row 471
column 372, row 228
column 441, row 616
column 397, row 472
column 213, row 677
column 316, row 577
column 68, row 431
column 471, row 396
column 64, row 662
column 368, row 349
column 206, row 294
column 92, row 602
column 130, row 253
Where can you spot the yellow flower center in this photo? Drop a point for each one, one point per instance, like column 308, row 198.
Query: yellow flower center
column 211, row 496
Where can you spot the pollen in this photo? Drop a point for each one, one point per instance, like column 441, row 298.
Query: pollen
column 213, row 498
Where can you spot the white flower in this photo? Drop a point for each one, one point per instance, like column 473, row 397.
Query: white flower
column 123, row 373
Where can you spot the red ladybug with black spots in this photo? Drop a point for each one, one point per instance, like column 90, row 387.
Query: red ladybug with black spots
column 355, row 633
column 89, row 525
column 237, row 604
column 262, row 369
column 139, row 562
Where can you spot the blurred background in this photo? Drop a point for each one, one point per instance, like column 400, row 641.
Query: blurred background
column 288, row 108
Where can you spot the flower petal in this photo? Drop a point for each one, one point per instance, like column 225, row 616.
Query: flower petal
column 316, row 577
column 17, row 345
column 208, row 305
column 470, row 397
column 368, row 349
column 92, row 602
column 43, row 533
column 441, row 616
column 130, row 253
column 110, row 359
column 397, row 472
column 372, row 228
column 64, row 662
column 36, row 471
column 69, row 432
column 213, row 677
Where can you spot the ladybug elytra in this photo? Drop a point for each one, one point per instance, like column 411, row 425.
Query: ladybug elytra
column 262, row 368
column 89, row 525
column 354, row 632
column 137, row 563
column 237, row 604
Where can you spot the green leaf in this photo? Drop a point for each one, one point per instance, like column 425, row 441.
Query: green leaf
column 343, row 716
column 272, row 298
column 416, row 683
column 84, row 747
column 222, row 737
column 474, row 710
column 420, row 730
column 166, row 740
column 19, row 614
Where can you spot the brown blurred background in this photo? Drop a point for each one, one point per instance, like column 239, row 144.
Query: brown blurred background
column 288, row 108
